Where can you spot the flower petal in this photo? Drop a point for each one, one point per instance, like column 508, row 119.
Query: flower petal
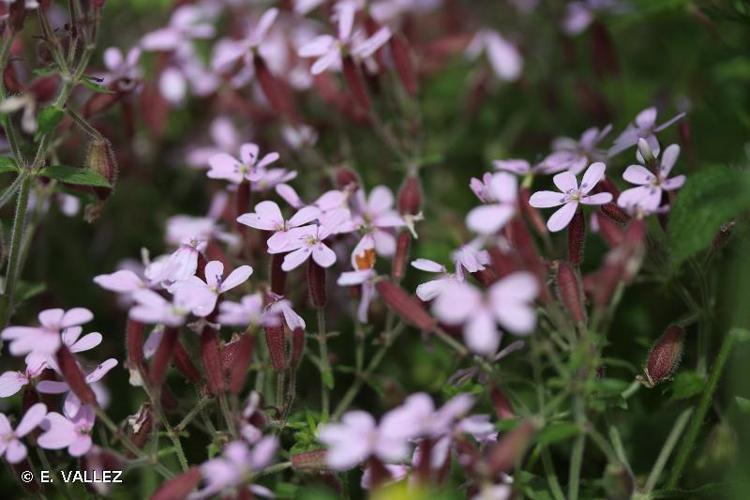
column 562, row 217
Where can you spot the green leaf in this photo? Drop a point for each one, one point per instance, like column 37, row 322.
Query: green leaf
column 709, row 199
column 49, row 118
column 11, row 191
column 687, row 384
column 27, row 290
column 740, row 334
column 743, row 404
column 558, row 431
column 328, row 378
column 94, row 86
column 7, row 164
column 78, row 176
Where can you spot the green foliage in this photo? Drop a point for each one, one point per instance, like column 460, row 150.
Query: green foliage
column 49, row 118
column 710, row 198
column 77, row 176
column 7, row 164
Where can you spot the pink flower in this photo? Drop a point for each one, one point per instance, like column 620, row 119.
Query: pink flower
column 647, row 196
column 570, row 195
column 268, row 217
column 10, row 440
column 44, row 339
column 374, row 215
column 279, row 306
column 490, row 218
column 187, row 22
column 509, row 303
column 232, row 50
column 248, row 311
column 13, row 381
column 429, row 290
column 200, row 296
column 357, row 437
column 71, row 431
column 328, row 49
column 234, row 465
column 122, row 69
column 308, row 240
column 225, row 138
column 72, row 403
column 644, row 127
column 249, row 167
column 503, row 56
column 575, row 155
column 151, row 308
column 123, row 281
column 366, row 279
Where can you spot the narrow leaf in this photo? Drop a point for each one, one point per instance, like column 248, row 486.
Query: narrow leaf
column 71, row 175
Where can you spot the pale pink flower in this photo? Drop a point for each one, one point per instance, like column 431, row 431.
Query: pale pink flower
column 188, row 22
column 279, row 306
column 429, row 290
column 581, row 13
column 151, row 308
column 575, row 155
column 122, row 69
column 365, row 278
column 225, row 138
column 13, row 381
column 509, row 303
column 233, row 50
column 375, row 216
column 570, row 195
column 200, row 296
column 72, row 339
column 490, row 218
column 396, row 471
column 502, row 55
column 249, row 167
column 268, row 217
column 10, row 439
column 644, row 127
column 647, row 196
column 71, row 431
column 123, row 281
column 44, row 339
column 72, row 403
column 248, row 311
column 328, row 49
column 236, row 462
column 307, row 241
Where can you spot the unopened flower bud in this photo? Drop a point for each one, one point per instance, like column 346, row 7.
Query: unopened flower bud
column 95, row 462
column 570, row 292
column 140, row 425
column 610, row 231
column 180, row 486
column 276, row 345
column 241, row 362
column 298, row 347
column 409, row 308
column 501, row 403
column 410, row 196
column 510, row 449
column 314, row 460
column 211, row 358
column 73, row 375
column 163, row 356
column 316, row 283
column 403, row 242
column 275, row 90
column 134, row 341
column 402, row 59
column 356, row 83
column 603, row 53
column 531, row 213
column 346, row 178
column 101, row 159
column 576, row 238
column 184, row 364
column 649, row 159
column 278, row 275
column 664, row 357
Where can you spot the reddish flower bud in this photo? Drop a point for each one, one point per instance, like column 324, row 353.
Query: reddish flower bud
column 501, row 403
column 410, row 196
column 346, row 178
column 576, row 238
column 184, row 364
column 17, row 14
column 163, row 356
column 614, row 212
column 570, row 291
column 241, row 362
column 101, row 159
column 275, row 90
column 140, row 425
column 664, row 357
column 316, row 283
column 603, row 51
column 101, row 102
column 503, row 263
column 241, row 204
column 610, row 231
column 402, row 59
column 356, row 83
column 278, row 275
column 403, row 242
column 95, row 462
column 211, row 358
column 504, row 455
column 313, row 460
column 276, row 346
column 522, row 241
column 73, row 375
column 379, row 473
column 134, row 341
column 298, row 347
column 409, row 308
column 531, row 213
column 180, row 486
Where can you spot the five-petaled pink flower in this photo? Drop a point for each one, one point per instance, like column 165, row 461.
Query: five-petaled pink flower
column 571, row 195
column 71, row 431
column 491, row 217
column 268, row 217
column 647, row 196
column 44, row 339
column 230, row 51
column 200, row 296
column 509, row 302
column 10, row 439
column 308, row 240
column 249, row 167
column 644, row 127
column 575, row 155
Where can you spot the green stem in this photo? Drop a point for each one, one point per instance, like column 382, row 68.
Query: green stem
column 683, row 454
column 549, row 471
column 202, row 403
column 227, row 415
column 325, row 367
column 666, row 450
column 12, row 271
column 576, row 456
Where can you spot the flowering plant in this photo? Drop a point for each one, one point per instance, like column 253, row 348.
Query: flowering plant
column 339, row 248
